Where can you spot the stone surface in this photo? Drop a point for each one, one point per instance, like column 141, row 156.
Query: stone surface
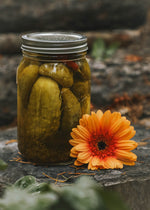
column 117, row 76
column 133, row 183
column 20, row 16
column 135, row 193
column 8, row 91
column 10, row 43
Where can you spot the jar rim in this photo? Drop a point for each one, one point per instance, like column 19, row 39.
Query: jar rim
column 54, row 42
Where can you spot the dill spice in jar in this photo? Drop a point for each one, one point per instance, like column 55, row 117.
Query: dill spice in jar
column 53, row 92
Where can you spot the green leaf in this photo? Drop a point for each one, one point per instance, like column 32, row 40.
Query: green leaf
column 3, row 165
column 111, row 49
column 17, row 199
column 41, row 188
column 83, row 196
column 98, row 49
column 25, row 182
column 112, row 201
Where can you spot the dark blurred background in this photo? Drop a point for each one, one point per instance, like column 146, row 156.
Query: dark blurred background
column 116, row 71
column 19, row 16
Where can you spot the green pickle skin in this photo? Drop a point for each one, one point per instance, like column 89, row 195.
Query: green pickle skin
column 71, row 110
column 26, row 79
column 51, row 98
column 59, row 72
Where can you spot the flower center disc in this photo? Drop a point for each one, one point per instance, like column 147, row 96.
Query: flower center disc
column 101, row 145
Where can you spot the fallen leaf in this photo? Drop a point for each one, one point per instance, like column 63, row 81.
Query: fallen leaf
column 11, row 141
column 133, row 58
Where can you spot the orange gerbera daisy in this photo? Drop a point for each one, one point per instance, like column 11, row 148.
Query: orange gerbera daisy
column 102, row 140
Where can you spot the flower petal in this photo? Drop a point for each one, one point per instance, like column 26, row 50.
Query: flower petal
column 128, row 135
column 73, row 152
column 75, row 136
column 118, row 163
column 90, row 166
column 74, row 155
column 132, row 163
column 96, row 122
column 123, row 133
column 124, row 124
column 96, row 161
column 93, row 123
column 126, row 145
column 125, row 155
column 77, row 163
column 84, row 161
column 82, row 133
column 108, row 163
column 115, row 116
column 76, row 141
column 99, row 114
column 94, row 168
column 114, row 127
column 105, row 121
column 119, row 126
column 111, row 162
column 84, row 156
column 82, row 147
column 84, row 120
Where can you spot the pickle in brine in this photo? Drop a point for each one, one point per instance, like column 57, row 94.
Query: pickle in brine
column 71, row 110
column 83, row 72
column 26, row 79
column 85, row 105
column 59, row 72
column 20, row 68
column 44, row 109
column 81, row 89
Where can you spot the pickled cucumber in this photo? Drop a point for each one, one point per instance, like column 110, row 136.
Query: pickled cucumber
column 83, row 72
column 20, row 116
column 44, row 109
column 20, row 68
column 71, row 110
column 85, row 105
column 26, row 80
column 81, row 89
column 59, row 72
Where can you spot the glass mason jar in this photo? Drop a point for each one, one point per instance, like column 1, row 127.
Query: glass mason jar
column 53, row 92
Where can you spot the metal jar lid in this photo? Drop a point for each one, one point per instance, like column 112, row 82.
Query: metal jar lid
column 54, row 43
